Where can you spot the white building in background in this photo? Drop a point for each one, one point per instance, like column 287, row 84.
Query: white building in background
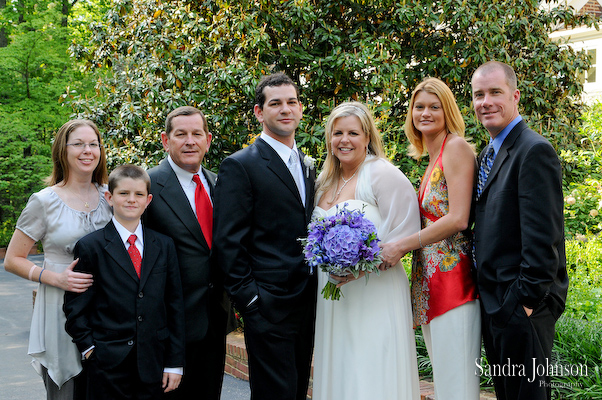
column 588, row 39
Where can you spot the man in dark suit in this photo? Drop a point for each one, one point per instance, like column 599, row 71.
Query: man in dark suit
column 519, row 239
column 182, row 210
column 263, row 202
column 129, row 324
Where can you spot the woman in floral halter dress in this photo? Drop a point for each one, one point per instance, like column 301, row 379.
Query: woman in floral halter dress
column 444, row 298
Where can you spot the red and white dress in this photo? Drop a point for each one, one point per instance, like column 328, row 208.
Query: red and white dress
column 444, row 298
column 441, row 271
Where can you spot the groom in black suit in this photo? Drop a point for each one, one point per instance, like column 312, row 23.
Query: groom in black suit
column 519, row 239
column 174, row 212
column 263, row 202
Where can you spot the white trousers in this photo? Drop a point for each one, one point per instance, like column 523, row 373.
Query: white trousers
column 453, row 341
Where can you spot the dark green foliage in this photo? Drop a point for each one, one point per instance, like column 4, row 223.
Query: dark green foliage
column 156, row 56
column 24, row 162
column 35, row 70
column 578, row 343
column 584, row 267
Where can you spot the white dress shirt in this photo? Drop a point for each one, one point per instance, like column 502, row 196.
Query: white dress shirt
column 285, row 153
column 124, row 234
column 187, row 184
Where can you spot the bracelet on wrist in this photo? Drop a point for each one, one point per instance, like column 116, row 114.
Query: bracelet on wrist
column 31, row 272
column 40, row 278
column 420, row 240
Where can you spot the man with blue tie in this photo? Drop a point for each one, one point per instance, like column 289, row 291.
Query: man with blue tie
column 519, row 239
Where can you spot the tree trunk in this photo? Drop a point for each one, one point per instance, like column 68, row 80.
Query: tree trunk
column 3, row 36
column 66, row 10
column 21, row 8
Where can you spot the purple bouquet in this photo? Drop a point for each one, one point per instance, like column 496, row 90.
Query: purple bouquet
column 342, row 244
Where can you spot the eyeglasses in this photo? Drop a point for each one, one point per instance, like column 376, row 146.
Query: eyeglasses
column 81, row 146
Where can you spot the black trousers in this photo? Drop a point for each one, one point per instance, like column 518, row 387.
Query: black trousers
column 120, row 383
column 280, row 354
column 205, row 361
column 519, row 351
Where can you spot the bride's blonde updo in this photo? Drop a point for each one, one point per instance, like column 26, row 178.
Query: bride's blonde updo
column 331, row 171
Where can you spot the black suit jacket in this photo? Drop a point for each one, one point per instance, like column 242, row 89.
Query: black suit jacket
column 120, row 310
column 519, row 228
column 258, row 219
column 171, row 214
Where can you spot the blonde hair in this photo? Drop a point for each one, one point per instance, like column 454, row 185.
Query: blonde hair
column 60, row 165
column 454, row 123
column 331, row 171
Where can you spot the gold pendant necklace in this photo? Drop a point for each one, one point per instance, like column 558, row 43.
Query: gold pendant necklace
column 86, row 204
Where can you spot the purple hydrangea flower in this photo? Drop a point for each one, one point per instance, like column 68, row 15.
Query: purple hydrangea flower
column 344, row 243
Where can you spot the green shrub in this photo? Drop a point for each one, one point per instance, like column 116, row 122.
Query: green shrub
column 24, row 161
column 582, row 209
column 6, row 233
column 578, row 347
column 582, row 177
column 584, row 266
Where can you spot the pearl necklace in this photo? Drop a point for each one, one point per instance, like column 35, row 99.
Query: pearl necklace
column 345, row 182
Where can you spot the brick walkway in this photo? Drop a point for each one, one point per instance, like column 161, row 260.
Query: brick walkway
column 236, row 365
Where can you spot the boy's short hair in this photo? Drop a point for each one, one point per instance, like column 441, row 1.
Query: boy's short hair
column 128, row 171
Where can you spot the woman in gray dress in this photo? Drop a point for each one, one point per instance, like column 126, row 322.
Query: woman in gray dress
column 72, row 206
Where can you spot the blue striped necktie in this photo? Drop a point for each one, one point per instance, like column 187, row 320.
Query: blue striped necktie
column 486, row 164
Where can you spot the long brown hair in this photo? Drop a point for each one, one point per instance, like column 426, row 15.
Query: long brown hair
column 60, row 165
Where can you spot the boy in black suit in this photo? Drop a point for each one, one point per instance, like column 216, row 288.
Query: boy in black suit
column 129, row 325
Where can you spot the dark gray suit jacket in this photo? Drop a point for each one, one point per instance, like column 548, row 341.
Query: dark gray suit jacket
column 120, row 310
column 171, row 214
column 519, row 228
column 259, row 217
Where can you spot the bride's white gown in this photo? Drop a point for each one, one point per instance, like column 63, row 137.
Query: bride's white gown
column 365, row 347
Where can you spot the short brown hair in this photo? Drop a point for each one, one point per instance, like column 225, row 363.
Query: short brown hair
column 184, row 110
column 277, row 79
column 489, row 66
column 128, row 171
column 60, row 165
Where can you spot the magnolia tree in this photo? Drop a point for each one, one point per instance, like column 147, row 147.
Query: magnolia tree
column 153, row 56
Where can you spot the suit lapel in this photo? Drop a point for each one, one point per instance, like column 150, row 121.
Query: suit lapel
column 173, row 195
column 503, row 153
column 149, row 256
column 211, row 177
column 277, row 166
column 117, row 251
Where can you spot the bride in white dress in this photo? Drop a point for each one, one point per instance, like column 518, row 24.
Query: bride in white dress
column 365, row 347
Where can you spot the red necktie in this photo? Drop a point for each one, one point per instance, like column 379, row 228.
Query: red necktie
column 204, row 209
column 134, row 254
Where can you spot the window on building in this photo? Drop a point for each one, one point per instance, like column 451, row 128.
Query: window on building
column 590, row 75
